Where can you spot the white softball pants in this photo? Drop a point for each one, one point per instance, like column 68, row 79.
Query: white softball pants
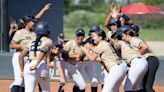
column 72, row 72
column 32, row 78
column 136, row 73
column 18, row 80
column 115, row 77
column 88, row 67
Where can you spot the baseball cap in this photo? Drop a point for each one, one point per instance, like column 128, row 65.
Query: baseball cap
column 27, row 19
column 61, row 35
column 125, row 28
column 80, row 32
column 112, row 22
column 135, row 28
column 95, row 27
column 58, row 44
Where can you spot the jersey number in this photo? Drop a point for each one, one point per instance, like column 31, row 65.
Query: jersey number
column 33, row 46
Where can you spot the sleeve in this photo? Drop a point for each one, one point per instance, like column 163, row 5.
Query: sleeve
column 98, row 50
column 67, row 46
column 137, row 43
column 46, row 46
column 28, row 45
column 17, row 37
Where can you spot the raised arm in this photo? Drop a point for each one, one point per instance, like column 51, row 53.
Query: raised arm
column 107, row 20
column 46, row 7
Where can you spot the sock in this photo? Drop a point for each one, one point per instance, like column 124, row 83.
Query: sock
column 40, row 89
column 93, row 89
column 15, row 88
column 60, row 89
column 102, row 85
column 141, row 90
column 22, row 89
column 75, row 89
column 81, row 90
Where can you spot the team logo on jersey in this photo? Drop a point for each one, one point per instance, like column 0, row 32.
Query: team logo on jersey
column 28, row 37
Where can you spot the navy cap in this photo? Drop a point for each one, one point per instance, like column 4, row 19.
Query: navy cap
column 125, row 28
column 89, row 40
column 27, row 19
column 58, row 44
column 80, row 32
column 42, row 28
column 126, row 17
column 61, row 35
column 112, row 22
column 95, row 27
column 135, row 28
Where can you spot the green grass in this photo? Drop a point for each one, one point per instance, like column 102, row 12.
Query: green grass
column 152, row 34
column 146, row 34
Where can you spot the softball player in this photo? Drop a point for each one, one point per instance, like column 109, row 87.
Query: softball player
column 138, row 64
column 72, row 54
column 95, row 28
column 56, row 55
column 104, row 53
column 113, row 26
column 87, row 66
column 143, row 49
column 20, row 39
column 35, row 69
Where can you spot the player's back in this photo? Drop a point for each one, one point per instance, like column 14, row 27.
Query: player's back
column 43, row 46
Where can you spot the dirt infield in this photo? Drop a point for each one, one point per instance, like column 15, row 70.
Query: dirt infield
column 4, row 87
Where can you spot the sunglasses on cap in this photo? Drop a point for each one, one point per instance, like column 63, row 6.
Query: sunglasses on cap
column 79, row 34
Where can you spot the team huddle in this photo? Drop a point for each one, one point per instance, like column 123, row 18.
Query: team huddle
column 122, row 54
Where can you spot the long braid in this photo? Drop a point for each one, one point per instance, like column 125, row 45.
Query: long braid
column 36, row 43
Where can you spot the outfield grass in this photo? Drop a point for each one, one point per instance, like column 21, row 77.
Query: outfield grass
column 152, row 34
column 146, row 34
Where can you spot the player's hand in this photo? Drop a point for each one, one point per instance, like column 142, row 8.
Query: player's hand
column 51, row 65
column 112, row 6
column 33, row 67
column 47, row 6
column 78, row 56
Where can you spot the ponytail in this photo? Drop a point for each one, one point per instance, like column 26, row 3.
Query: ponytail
column 101, row 34
column 36, row 42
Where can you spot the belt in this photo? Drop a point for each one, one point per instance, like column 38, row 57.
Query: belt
column 135, row 57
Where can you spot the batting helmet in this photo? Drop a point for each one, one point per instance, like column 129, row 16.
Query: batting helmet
column 42, row 28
